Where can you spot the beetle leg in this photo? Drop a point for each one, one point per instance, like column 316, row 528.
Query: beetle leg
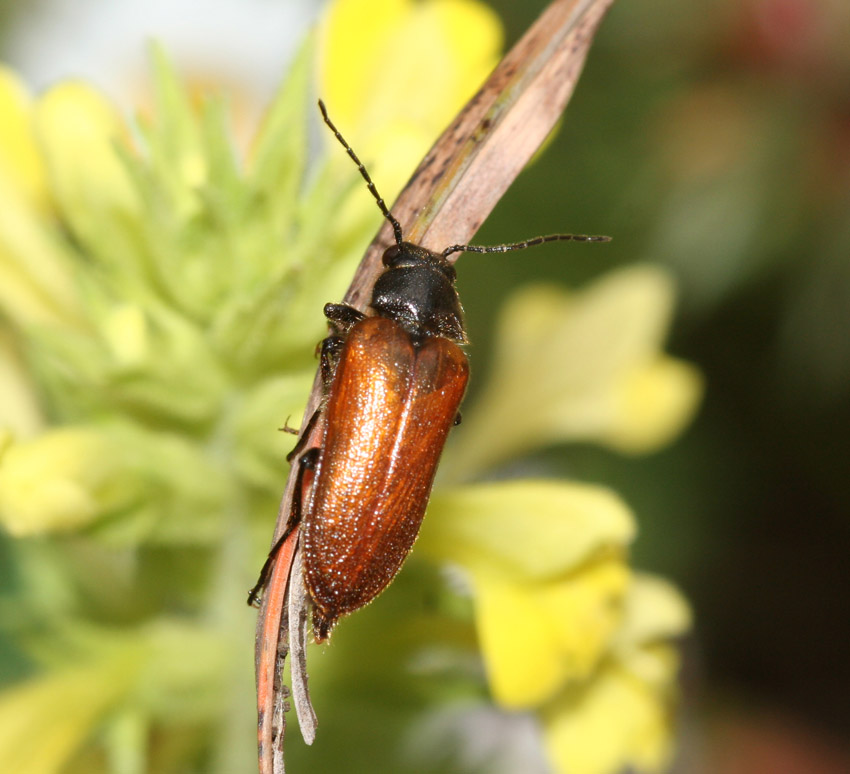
column 342, row 317
column 458, row 419
column 330, row 348
column 307, row 461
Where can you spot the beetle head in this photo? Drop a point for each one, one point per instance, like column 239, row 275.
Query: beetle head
column 405, row 254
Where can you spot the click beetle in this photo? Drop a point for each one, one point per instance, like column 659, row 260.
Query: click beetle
column 393, row 383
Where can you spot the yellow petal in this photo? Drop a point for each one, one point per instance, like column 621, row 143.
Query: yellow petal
column 651, row 405
column 655, row 610
column 79, row 130
column 534, row 530
column 622, row 717
column 353, row 40
column 536, row 637
column 616, row 722
column 20, row 162
column 394, row 69
column 45, row 720
column 61, row 480
column 392, row 59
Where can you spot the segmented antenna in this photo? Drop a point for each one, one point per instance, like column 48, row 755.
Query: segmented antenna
column 369, row 184
column 522, row 245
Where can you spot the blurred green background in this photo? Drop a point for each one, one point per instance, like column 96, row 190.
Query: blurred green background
column 712, row 137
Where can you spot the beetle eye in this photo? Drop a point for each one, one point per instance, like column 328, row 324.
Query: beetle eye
column 390, row 254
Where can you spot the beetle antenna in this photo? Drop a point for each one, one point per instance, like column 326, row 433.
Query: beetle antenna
column 369, row 184
column 522, row 245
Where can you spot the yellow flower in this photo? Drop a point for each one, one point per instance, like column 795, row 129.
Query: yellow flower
column 582, row 366
column 548, row 567
column 154, row 485
column 623, row 717
column 564, row 626
column 61, row 480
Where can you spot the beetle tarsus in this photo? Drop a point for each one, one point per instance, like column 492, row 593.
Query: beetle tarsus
column 321, row 625
column 287, row 429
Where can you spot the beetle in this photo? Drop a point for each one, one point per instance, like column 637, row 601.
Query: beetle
column 393, row 383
